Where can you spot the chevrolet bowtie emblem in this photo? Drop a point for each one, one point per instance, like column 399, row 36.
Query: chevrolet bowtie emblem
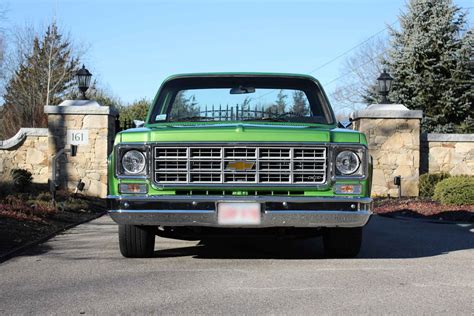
column 240, row 165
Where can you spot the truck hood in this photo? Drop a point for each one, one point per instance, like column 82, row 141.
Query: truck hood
column 239, row 132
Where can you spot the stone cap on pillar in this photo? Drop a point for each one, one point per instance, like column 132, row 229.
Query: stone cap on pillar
column 80, row 107
column 79, row 103
column 386, row 111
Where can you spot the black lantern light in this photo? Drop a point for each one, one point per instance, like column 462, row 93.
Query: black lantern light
column 385, row 83
column 83, row 77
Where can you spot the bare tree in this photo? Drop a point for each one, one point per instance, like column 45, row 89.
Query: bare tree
column 358, row 80
column 3, row 47
column 44, row 74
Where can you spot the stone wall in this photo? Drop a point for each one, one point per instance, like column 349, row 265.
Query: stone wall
column 90, row 163
column 34, row 148
column 448, row 153
column 28, row 149
column 393, row 136
column 392, row 131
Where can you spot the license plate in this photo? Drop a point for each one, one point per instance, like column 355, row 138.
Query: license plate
column 238, row 213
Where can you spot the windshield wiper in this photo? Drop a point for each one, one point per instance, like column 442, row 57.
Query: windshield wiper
column 269, row 119
column 283, row 117
column 290, row 114
column 192, row 118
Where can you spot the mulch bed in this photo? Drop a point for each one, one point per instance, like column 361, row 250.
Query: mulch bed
column 20, row 228
column 426, row 209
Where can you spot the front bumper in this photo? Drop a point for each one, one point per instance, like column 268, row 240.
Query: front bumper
column 277, row 211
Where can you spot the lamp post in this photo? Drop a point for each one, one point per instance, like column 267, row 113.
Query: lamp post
column 83, row 77
column 385, row 83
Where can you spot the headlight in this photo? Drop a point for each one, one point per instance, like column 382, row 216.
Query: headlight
column 133, row 162
column 347, row 162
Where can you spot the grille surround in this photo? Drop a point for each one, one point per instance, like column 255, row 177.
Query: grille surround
column 273, row 165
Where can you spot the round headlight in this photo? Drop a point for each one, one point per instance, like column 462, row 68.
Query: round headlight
column 347, row 162
column 133, row 162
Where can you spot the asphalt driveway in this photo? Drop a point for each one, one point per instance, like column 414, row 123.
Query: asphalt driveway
column 405, row 267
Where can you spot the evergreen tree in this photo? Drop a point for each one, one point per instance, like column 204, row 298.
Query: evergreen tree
column 102, row 96
column 184, row 107
column 135, row 111
column 281, row 102
column 246, row 104
column 429, row 60
column 279, row 107
column 244, row 108
column 46, row 77
column 300, row 106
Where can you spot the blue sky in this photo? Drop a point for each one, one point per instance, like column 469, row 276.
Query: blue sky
column 134, row 45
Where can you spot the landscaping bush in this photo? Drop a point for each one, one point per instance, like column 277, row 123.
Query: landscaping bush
column 458, row 190
column 6, row 188
column 20, row 208
column 428, row 182
column 75, row 205
column 44, row 196
column 21, row 179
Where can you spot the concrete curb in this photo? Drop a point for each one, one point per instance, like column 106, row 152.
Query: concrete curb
column 14, row 252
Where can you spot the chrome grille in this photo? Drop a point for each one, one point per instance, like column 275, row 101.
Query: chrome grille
column 240, row 165
column 240, row 153
column 239, row 177
column 205, row 152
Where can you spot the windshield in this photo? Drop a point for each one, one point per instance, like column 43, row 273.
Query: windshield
column 239, row 101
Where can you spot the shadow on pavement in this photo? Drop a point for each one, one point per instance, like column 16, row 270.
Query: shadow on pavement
column 36, row 250
column 249, row 249
column 384, row 238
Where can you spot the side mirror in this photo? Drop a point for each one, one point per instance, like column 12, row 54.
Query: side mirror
column 344, row 124
column 138, row 123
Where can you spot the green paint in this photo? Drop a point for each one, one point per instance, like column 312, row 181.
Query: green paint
column 237, row 131
column 244, row 132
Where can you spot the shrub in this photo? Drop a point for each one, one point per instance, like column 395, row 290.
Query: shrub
column 6, row 188
column 75, row 205
column 44, row 196
column 135, row 111
column 21, row 179
column 21, row 208
column 428, row 182
column 458, row 190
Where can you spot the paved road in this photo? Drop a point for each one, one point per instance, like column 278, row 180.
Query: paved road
column 404, row 267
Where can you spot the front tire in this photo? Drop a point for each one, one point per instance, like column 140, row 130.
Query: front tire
column 136, row 241
column 342, row 242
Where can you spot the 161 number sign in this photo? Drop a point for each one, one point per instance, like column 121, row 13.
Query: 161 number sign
column 77, row 137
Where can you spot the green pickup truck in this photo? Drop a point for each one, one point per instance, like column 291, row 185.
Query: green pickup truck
column 226, row 154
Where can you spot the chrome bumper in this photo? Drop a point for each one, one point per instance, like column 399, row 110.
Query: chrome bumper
column 277, row 211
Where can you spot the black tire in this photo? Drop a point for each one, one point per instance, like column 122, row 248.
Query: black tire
column 137, row 241
column 342, row 242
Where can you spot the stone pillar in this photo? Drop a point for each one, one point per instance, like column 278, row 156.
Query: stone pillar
column 393, row 135
column 92, row 128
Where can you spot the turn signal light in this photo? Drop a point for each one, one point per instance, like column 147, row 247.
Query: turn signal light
column 132, row 188
column 348, row 189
